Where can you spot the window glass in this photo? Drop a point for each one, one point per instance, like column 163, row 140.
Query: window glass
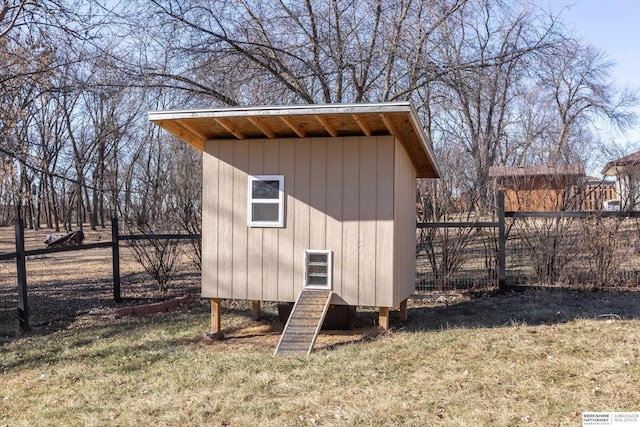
column 264, row 212
column 265, row 189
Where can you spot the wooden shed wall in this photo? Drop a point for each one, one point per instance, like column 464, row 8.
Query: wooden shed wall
column 405, row 226
column 339, row 196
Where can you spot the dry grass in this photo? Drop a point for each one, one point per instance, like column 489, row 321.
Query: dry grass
column 539, row 358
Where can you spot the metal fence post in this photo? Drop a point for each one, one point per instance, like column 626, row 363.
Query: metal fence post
column 21, row 266
column 115, row 249
column 502, row 241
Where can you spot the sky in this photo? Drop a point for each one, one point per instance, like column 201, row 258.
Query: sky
column 612, row 26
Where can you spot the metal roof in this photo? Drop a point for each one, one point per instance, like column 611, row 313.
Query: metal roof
column 618, row 166
column 536, row 170
column 304, row 121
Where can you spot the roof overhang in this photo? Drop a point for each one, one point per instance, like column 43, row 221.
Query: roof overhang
column 304, row 121
column 623, row 165
column 619, row 169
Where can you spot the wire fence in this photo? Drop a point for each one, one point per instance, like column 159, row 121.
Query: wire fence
column 571, row 249
column 39, row 285
column 581, row 251
column 456, row 258
column 8, row 297
column 562, row 249
column 66, row 284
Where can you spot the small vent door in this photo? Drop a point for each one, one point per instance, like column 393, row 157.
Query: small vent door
column 318, row 268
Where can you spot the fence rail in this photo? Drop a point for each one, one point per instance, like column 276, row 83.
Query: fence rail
column 577, row 214
column 514, row 250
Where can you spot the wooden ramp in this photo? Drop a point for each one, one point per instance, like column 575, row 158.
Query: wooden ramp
column 302, row 328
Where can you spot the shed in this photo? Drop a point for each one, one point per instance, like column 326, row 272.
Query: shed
column 310, row 196
column 539, row 188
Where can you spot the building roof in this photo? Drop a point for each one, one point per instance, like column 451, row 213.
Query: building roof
column 614, row 167
column 303, row 121
column 540, row 170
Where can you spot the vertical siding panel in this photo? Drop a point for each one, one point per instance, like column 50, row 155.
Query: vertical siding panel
column 286, row 258
column 210, row 220
column 398, row 231
column 405, row 221
column 351, row 215
column 225, row 223
column 318, row 194
column 270, row 235
column 401, row 221
column 239, row 242
column 301, row 232
column 334, row 210
column 367, row 229
column 405, row 242
column 411, row 233
column 384, row 245
column 254, row 234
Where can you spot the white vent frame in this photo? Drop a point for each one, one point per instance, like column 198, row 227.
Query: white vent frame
column 329, row 266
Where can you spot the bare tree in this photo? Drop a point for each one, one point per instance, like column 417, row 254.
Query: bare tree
column 292, row 52
column 577, row 85
column 480, row 112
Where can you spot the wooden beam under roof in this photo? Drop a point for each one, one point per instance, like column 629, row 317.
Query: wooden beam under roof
column 195, row 130
column 182, row 132
column 327, row 125
column 228, row 125
column 263, row 126
column 388, row 122
column 362, row 124
column 294, row 126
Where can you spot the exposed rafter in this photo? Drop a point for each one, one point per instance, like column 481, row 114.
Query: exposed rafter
column 228, row 125
column 194, row 129
column 264, row 128
column 327, row 125
column 363, row 126
column 389, row 124
column 294, row 126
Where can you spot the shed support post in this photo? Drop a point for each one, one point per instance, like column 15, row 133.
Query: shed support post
column 255, row 310
column 216, row 323
column 403, row 310
column 383, row 317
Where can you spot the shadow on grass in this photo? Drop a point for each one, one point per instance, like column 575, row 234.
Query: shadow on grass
column 531, row 307
column 132, row 342
column 83, row 339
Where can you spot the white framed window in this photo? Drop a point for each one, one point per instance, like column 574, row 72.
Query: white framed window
column 318, row 269
column 265, row 207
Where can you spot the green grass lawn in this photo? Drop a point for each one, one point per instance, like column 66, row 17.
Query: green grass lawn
column 493, row 361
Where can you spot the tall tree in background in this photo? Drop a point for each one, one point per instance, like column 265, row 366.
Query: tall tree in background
column 575, row 80
column 495, row 83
